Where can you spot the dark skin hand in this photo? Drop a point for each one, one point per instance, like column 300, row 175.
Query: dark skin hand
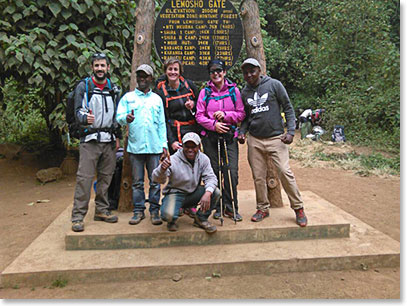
column 130, row 117
column 166, row 163
column 205, row 201
column 287, row 138
column 164, row 155
column 241, row 138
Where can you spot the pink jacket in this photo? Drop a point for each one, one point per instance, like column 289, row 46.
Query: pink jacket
column 234, row 112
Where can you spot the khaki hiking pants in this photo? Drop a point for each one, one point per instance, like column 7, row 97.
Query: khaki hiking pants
column 259, row 151
column 94, row 158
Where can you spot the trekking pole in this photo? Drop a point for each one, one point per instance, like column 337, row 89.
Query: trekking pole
column 230, row 180
column 220, row 183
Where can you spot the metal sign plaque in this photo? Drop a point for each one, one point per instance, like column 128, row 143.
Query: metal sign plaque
column 196, row 31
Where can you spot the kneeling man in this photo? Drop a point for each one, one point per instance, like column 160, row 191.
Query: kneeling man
column 185, row 170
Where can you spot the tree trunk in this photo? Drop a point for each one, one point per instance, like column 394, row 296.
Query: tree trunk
column 143, row 36
column 249, row 11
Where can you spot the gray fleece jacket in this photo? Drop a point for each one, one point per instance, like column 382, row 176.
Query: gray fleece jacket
column 185, row 178
column 263, row 106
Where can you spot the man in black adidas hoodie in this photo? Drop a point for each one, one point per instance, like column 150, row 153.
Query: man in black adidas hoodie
column 264, row 98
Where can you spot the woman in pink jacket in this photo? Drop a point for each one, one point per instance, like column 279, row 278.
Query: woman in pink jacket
column 219, row 110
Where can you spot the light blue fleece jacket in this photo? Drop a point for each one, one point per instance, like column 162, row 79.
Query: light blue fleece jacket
column 147, row 133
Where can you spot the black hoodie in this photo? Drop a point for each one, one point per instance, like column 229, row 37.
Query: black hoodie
column 263, row 106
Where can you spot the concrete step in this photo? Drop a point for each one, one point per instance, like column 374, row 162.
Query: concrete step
column 280, row 226
column 47, row 260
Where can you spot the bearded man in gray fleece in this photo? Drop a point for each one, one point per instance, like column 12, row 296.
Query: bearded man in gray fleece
column 185, row 169
column 264, row 98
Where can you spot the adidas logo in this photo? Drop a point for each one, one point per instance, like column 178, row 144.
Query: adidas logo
column 260, row 109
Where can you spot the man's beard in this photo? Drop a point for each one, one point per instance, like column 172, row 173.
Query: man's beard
column 100, row 78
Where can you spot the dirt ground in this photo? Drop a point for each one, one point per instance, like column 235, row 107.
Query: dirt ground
column 374, row 200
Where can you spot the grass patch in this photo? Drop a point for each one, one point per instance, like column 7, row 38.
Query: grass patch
column 328, row 154
column 59, row 283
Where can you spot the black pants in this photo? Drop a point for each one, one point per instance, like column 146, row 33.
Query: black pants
column 210, row 146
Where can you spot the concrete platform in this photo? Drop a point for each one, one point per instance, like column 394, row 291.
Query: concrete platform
column 280, row 226
column 47, row 260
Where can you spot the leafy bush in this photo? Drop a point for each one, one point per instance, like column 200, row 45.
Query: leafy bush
column 342, row 56
column 22, row 122
column 47, row 45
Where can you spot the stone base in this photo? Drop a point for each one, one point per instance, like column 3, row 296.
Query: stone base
column 280, row 226
column 47, row 259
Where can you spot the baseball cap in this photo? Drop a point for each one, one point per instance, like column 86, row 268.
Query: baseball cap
column 146, row 68
column 216, row 63
column 191, row 136
column 251, row 61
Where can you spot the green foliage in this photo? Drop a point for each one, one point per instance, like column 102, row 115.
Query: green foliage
column 59, row 283
column 22, row 122
column 47, row 44
column 340, row 55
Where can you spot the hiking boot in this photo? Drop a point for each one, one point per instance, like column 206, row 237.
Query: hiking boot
column 107, row 217
column 181, row 212
column 229, row 214
column 209, row 228
column 300, row 217
column 191, row 212
column 260, row 215
column 217, row 215
column 78, row 226
column 172, row 226
column 155, row 218
column 137, row 217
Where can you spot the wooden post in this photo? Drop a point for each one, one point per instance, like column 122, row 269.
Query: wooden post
column 143, row 35
column 249, row 10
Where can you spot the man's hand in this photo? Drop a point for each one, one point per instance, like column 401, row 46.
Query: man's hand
column 205, row 201
column 166, row 163
column 90, row 118
column 221, row 127
column 241, row 138
column 287, row 138
column 219, row 115
column 130, row 117
column 176, row 145
column 164, row 154
column 117, row 144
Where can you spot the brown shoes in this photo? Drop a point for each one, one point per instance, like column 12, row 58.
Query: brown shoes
column 208, row 227
column 107, row 217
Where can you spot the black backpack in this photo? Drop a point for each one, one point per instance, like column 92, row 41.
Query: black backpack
column 338, row 134
column 74, row 128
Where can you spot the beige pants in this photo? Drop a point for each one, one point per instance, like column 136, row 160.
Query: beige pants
column 259, row 151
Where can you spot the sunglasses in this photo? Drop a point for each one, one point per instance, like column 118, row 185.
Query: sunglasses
column 99, row 55
column 219, row 70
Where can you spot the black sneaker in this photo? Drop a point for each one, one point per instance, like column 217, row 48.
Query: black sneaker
column 138, row 216
column 155, row 218
column 300, row 217
column 78, row 226
column 217, row 215
column 260, row 215
column 229, row 214
column 172, row 226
